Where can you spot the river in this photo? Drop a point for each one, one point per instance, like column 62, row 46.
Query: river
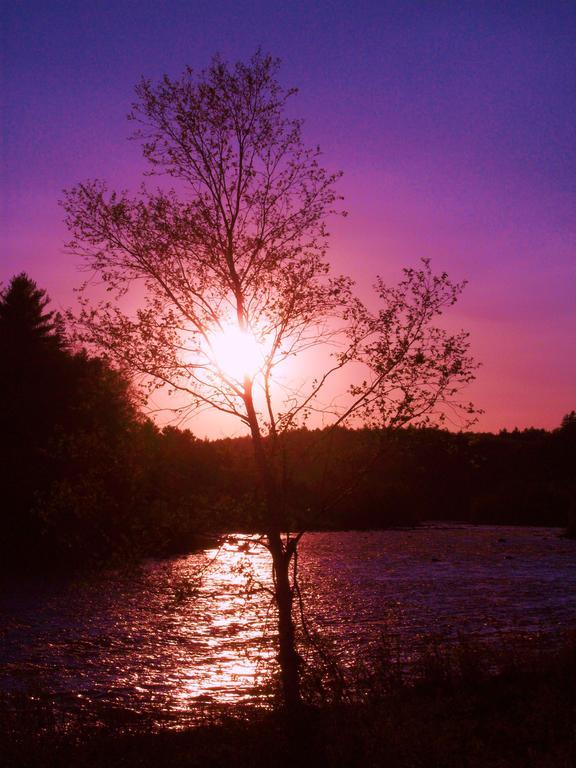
column 173, row 638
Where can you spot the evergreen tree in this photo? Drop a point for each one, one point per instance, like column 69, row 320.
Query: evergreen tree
column 32, row 355
column 66, row 431
column 24, row 320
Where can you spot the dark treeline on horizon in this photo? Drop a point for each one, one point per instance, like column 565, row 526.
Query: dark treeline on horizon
column 86, row 479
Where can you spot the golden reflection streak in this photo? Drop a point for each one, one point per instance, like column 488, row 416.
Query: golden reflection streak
column 233, row 633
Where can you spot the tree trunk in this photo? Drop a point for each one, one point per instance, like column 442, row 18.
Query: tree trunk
column 288, row 657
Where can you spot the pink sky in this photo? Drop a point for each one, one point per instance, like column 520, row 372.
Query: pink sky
column 454, row 127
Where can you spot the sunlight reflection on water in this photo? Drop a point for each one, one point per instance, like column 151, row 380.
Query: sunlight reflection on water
column 195, row 632
column 226, row 611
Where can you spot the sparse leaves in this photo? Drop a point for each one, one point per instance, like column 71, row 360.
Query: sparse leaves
column 243, row 240
column 417, row 369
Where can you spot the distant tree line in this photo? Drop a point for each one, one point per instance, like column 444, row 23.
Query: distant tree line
column 86, row 479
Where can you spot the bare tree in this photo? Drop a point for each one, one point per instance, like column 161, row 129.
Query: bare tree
column 236, row 257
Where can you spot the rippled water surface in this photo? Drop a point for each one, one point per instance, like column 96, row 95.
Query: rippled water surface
column 183, row 634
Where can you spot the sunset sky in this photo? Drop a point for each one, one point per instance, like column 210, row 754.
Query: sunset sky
column 454, row 124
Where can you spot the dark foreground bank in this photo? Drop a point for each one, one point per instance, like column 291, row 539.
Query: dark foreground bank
column 459, row 713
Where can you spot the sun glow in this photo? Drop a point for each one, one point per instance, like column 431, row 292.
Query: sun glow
column 237, row 353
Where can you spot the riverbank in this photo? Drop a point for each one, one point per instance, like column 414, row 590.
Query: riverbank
column 459, row 713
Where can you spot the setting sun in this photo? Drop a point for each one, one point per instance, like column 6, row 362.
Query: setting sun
column 237, row 352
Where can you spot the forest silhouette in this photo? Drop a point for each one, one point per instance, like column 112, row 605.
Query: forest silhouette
column 87, row 479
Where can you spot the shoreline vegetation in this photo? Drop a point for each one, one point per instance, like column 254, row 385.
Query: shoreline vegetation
column 462, row 708
column 88, row 481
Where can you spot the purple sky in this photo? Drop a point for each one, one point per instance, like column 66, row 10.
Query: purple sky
column 454, row 122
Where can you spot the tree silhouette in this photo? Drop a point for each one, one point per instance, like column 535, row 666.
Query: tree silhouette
column 31, row 351
column 238, row 251
column 67, row 426
column 568, row 424
column 24, row 321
